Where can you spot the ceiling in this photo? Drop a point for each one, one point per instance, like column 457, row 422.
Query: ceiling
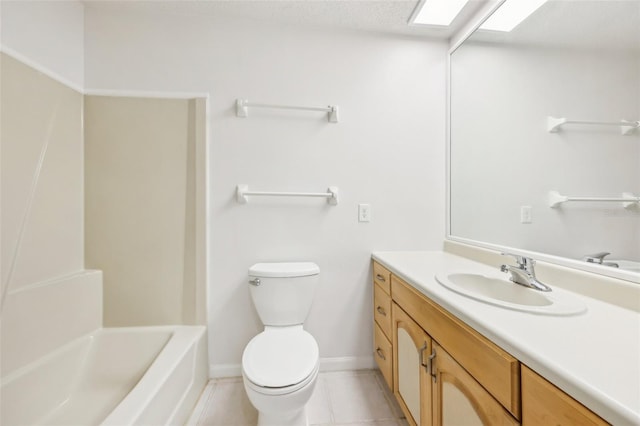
column 383, row 16
column 587, row 24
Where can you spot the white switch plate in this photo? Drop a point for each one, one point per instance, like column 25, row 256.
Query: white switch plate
column 525, row 214
column 364, row 212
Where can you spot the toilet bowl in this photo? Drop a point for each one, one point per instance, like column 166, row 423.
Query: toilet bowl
column 280, row 365
column 279, row 370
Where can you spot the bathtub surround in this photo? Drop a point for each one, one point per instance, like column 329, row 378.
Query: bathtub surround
column 140, row 186
column 51, row 329
column 42, row 218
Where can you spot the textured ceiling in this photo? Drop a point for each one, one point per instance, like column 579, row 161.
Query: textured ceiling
column 385, row 16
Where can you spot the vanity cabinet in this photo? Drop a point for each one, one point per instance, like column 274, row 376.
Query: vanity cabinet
column 412, row 347
column 443, row 372
column 458, row 399
column 382, row 322
column 431, row 387
column 493, row 368
column 545, row 404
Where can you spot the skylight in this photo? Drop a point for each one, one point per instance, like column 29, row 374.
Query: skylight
column 437, row 12
column 511, row 14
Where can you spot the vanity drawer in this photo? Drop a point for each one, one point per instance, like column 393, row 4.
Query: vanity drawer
column 383, row 355
column 382, row 309
column 382, row 277
column 496, row 370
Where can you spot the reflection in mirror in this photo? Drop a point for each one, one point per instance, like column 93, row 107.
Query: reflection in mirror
column 572, row 60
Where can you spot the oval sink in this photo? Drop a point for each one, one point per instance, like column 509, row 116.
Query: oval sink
column 504, row 293
column 627, row 265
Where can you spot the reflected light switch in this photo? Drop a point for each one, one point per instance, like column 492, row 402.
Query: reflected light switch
column 525, row 214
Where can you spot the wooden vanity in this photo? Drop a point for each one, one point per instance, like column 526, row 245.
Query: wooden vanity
column 443, row 372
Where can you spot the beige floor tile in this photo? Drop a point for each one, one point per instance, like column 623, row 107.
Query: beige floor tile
column 391, row 399
column 318, row 408
column 229, row 406
column 357, row 398
column 390, row 422
column 345, row 398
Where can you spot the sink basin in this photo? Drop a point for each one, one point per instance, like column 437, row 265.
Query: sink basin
column 503, row 293
column 627, row 265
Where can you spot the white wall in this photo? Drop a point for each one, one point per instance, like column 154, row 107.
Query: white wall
column 502, row 122
column 388, row 150
column 47, row 35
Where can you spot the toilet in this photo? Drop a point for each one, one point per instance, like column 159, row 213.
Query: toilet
column 280, row 365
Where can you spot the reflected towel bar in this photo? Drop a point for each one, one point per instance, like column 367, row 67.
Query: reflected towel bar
column 242, row 192
column 243, row 105
column 628, row 199
column 626, row 127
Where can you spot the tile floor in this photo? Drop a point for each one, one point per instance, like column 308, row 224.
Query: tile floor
column 354, row 398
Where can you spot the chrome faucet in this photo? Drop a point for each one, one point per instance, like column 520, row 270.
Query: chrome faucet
column 599, row 259
column 524, row 274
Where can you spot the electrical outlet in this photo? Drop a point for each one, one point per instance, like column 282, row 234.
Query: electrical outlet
column 525, row 214
column 364, row 213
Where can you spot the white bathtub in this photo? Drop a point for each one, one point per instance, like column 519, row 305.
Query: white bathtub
column 113, row 376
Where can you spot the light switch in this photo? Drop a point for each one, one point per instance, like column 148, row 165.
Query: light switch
column 525, row 214
column 364, row 213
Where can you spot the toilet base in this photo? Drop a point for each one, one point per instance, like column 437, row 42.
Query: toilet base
column 296, row 418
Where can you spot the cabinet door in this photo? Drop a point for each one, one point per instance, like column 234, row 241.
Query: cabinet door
column 458, row 399
column 412, row 383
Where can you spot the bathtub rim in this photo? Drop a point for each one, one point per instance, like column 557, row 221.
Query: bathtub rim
column 181, row 339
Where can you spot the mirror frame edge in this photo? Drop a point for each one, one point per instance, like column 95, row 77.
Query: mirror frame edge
column 454, row 43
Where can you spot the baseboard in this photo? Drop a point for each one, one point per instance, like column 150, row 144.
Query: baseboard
column 217, row 371
column 347, row 363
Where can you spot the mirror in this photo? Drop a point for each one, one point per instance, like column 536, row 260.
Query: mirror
column 535, row 113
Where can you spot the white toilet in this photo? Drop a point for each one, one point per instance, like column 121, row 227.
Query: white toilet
column 280, row 365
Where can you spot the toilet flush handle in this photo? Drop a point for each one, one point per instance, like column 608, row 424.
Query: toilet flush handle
column 255, row 281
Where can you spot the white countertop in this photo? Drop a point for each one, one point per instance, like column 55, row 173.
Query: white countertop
column 593, row 356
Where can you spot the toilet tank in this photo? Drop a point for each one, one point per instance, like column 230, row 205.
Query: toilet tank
column 285, row 291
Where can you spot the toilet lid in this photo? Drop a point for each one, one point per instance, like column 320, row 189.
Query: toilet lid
column 284, row 270
column 280, row 357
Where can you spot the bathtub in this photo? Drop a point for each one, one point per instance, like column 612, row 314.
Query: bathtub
column 113, row 376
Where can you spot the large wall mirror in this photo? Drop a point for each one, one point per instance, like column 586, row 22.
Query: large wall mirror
column 543, row 114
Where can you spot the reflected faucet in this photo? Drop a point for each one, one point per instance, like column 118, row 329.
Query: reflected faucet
column 599, row 259
column 524, row 274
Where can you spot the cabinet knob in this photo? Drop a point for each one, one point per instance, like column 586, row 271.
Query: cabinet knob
column 380, row 278
column 381, row 311
column 381, row 354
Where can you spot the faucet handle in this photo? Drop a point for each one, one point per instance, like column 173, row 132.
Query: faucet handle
column 596, row 257
column 522, row 261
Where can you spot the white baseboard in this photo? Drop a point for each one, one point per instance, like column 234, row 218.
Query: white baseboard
column 347, row 363
column 217, row 371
